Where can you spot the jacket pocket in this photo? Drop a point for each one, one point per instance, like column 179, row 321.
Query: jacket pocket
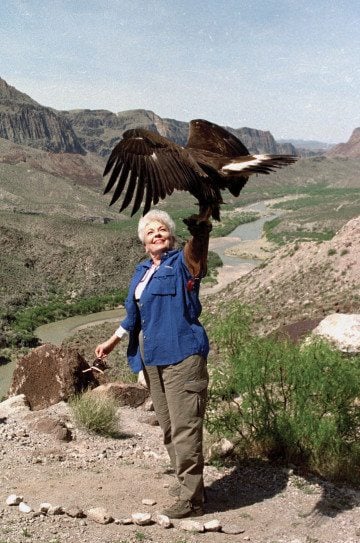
column 163, row 284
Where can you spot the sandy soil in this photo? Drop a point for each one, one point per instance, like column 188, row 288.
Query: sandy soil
column 271, row 504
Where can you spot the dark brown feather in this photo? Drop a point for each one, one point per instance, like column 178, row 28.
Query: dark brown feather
column 213, row 160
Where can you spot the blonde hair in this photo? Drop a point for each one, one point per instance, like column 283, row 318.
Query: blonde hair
column 155, row 215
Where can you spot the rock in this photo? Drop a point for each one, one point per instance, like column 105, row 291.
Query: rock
column 25, row 508
column 49, row 375
column 163, row 521
column 125, row 521
column 212, row 526
column 222, row 448
column 191, row 526
column 57, row 428
column 149, row 418
column 55, row 510
column 14, row 499
column 341, row 330
column 148, row 501
column 13, row 404
column 232, row 529
column 74, row 512
column 44, row 507
column 99, row 515
column 142, row 519
column 130, row 394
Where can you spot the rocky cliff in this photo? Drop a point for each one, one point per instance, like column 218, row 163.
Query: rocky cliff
column 349, row 149
column 99, row 130
column 24, row 121
column 261, row 141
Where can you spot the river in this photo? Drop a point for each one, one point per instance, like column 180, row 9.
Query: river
column 233, row 268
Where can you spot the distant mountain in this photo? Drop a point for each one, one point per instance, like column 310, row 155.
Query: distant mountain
column 25, row 122
column 99, row 130
column 312, row 145
column 308, row 148
column 349, row 149
column 260, row 141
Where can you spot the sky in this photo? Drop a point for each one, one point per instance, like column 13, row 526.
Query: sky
column 288, row 66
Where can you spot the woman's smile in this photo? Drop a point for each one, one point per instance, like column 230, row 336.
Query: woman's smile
column 157, row 238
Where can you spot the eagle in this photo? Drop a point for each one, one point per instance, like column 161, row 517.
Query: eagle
column 146, row 167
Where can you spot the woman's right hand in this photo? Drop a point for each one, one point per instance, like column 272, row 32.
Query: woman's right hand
column 103, row 349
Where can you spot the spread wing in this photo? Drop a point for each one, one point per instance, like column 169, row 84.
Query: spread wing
column 146, row 166
column 207, row 136
column 226, row 159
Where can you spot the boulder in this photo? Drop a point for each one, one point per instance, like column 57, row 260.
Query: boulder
column 50, row 374
column 99, row 515
column 54, row 427
column 341, row 330
column 220, row 449
column 13, row 405
column 131, row 394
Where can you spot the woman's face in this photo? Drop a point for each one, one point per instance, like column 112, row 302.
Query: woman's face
column 157, row 238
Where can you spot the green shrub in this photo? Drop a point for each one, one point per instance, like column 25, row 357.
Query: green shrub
column 24, row 322
column 96, row 413
column 297, row 404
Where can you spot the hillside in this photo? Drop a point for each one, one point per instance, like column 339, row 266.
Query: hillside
column 301, row 281
column 59, row 239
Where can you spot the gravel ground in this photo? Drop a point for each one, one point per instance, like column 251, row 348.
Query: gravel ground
column 270, row 504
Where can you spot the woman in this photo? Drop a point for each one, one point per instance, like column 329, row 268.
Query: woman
column 167, row 342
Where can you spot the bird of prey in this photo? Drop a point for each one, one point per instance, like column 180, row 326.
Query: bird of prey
column 146, row 166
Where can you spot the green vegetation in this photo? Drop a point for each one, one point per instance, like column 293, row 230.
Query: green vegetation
column 286, row 402
column 25, row 321
column 96, row 413
column 318, row 195
column 283, row 237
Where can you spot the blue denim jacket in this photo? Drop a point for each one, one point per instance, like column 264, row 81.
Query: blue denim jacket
column 168, row 315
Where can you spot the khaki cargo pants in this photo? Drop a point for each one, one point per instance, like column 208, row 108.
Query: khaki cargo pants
column 179, row 395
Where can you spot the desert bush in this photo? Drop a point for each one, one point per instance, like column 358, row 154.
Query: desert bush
column 278, row 399
column 96, row 413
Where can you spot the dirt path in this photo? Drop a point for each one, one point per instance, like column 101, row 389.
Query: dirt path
column 270, row 504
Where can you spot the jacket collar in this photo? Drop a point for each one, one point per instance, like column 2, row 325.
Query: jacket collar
column 148, row 263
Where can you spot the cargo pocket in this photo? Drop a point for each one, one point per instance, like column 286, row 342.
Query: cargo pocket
column 198, row 390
